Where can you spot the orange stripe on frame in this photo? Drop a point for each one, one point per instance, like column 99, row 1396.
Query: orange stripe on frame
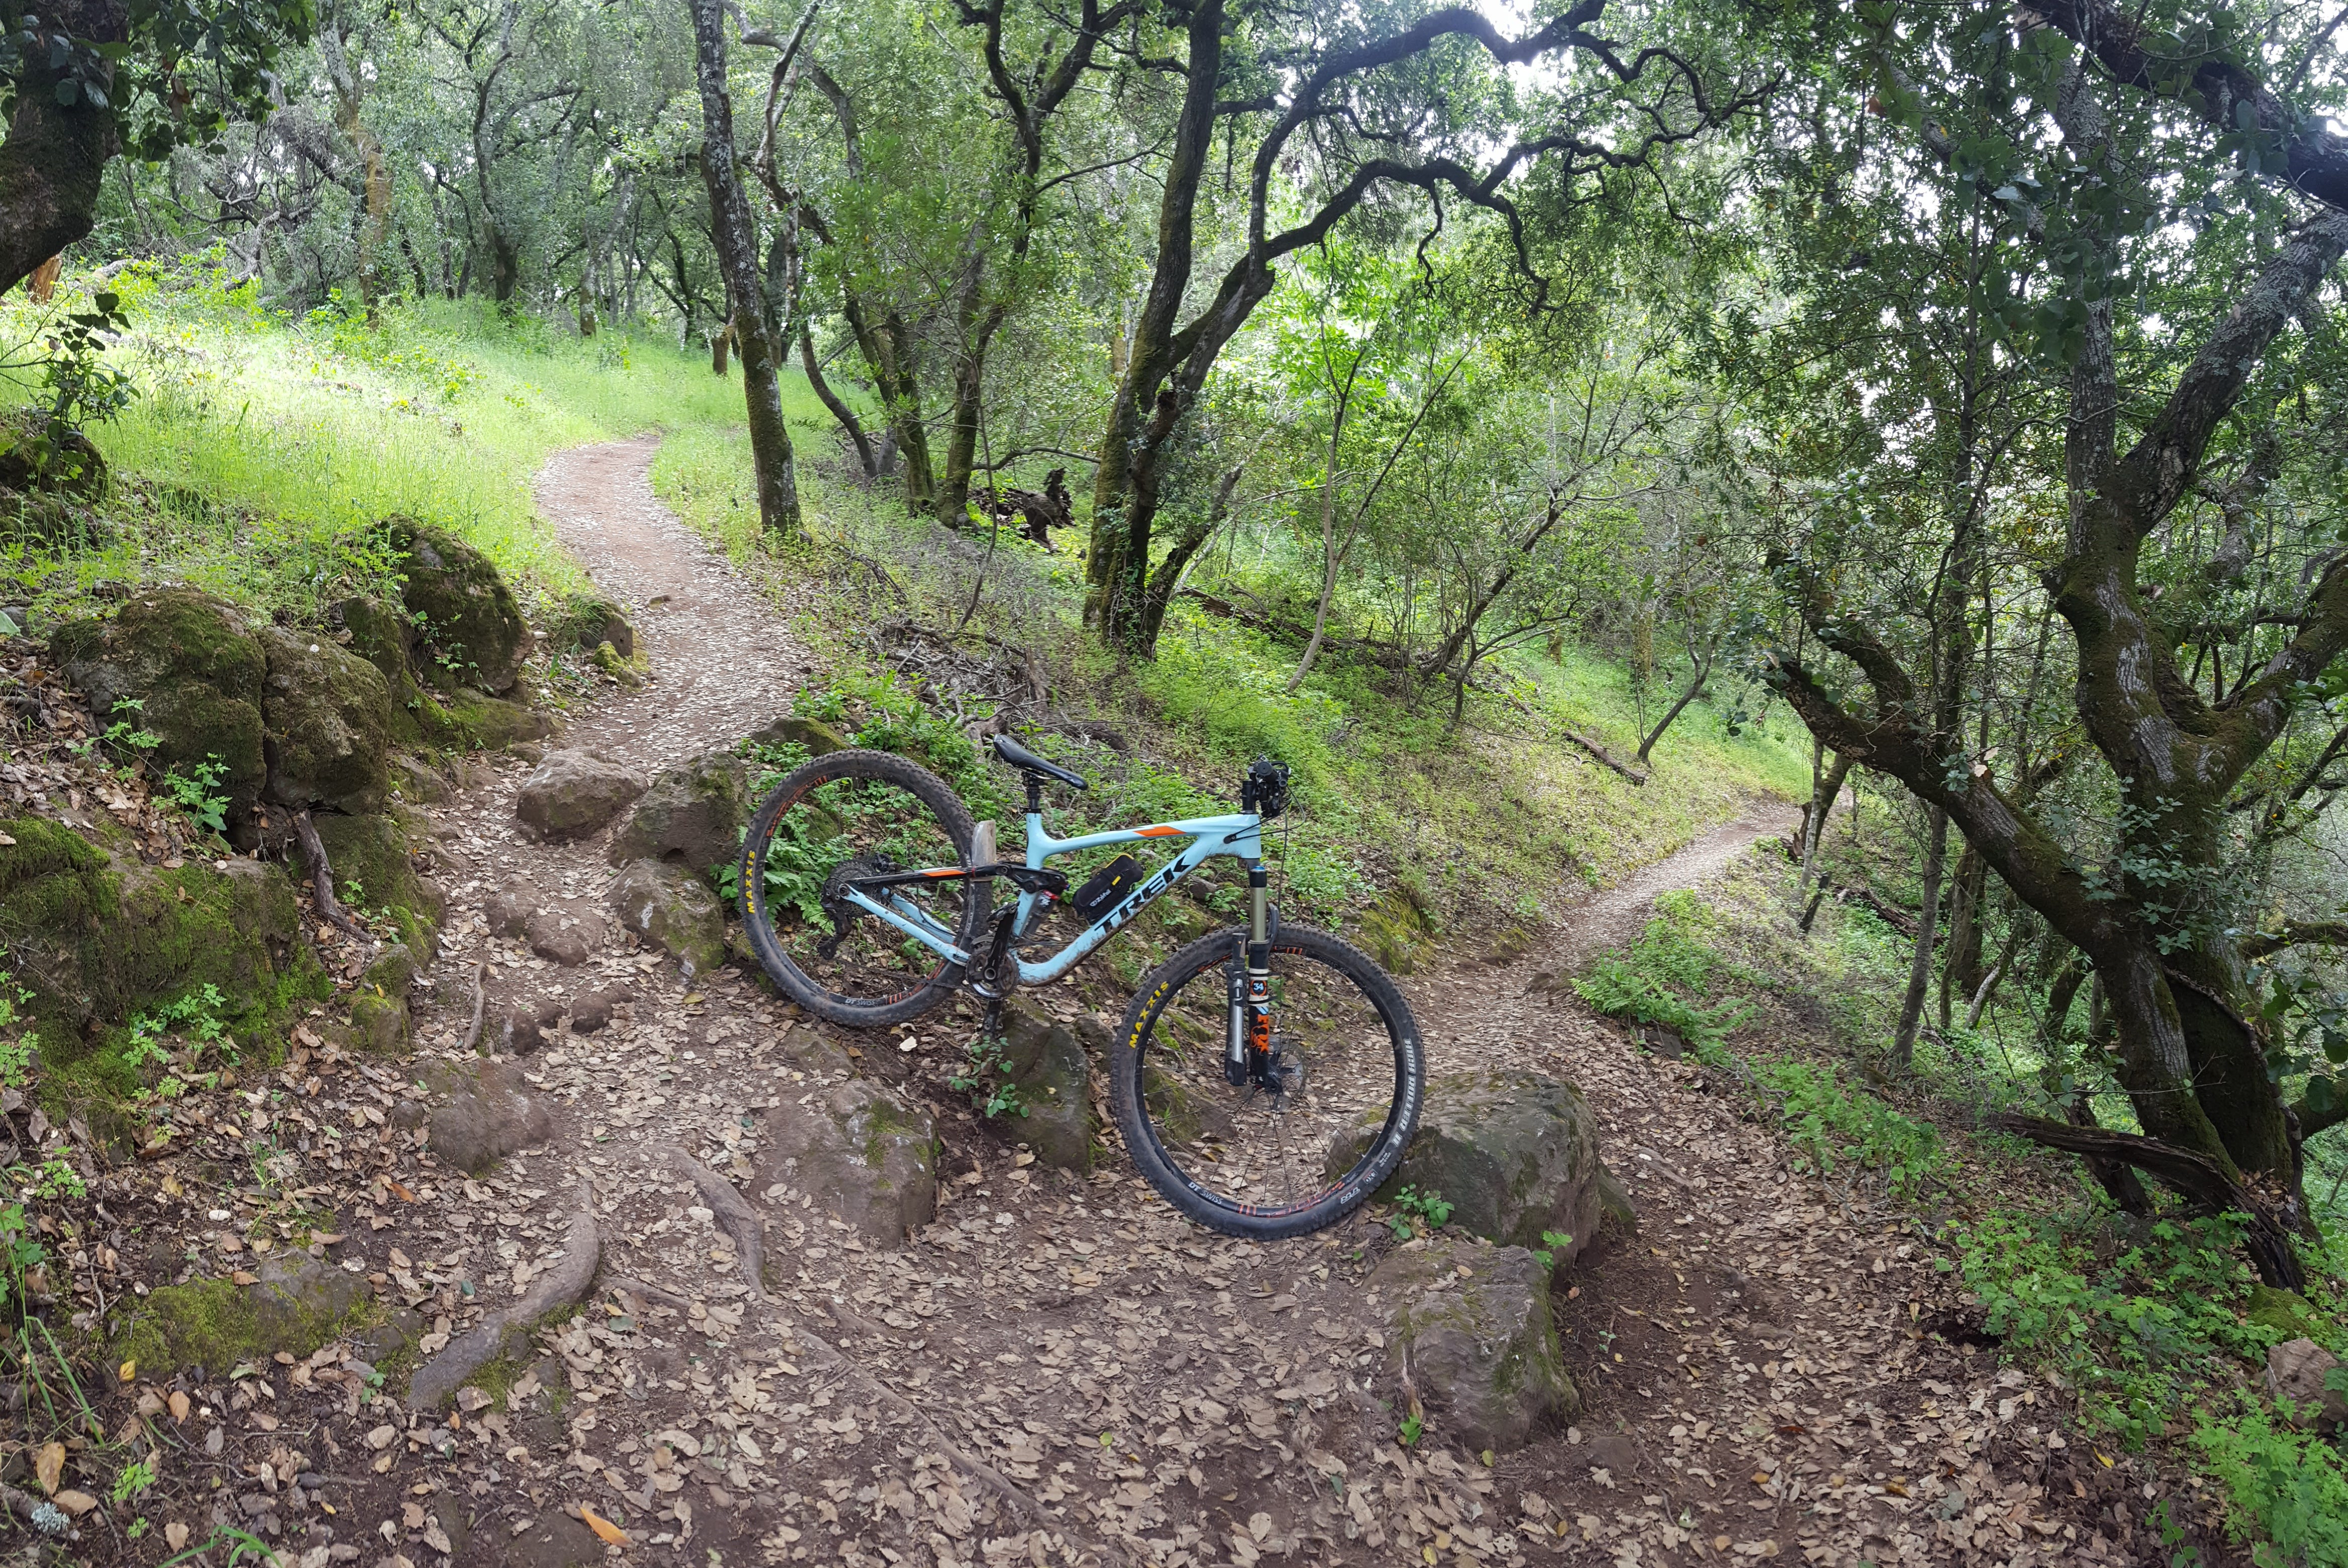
column 1157, row 832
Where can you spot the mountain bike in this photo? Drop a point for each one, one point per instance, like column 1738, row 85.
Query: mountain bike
column 1267, row 1076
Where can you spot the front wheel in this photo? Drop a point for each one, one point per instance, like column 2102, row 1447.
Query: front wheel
column 1270, row 1158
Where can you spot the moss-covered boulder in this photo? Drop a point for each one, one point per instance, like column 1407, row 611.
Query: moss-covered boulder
column 674, row 909
column 1514, row 1153
column 470, row 721
column 590, row 620
column 38, row 454
column 692, row 816
column 821, row 738
column 373, row 872
column 326, row 722
column 2286, row 1312
column 866, row 1158
column 470, row 630
column 1049, row 1069
column 99, row 937
column 383, row 633
column 197, row 672
column 1469, row 1327
column 298, row 1304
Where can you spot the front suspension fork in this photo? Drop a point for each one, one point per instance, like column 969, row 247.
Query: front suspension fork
column 1247, row 1053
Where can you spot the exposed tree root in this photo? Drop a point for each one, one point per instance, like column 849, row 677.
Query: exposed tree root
column 480, row 995
column 322, row 879
column 734, row 1216
column 563, row 1286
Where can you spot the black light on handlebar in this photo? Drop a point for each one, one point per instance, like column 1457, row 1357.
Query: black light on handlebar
column 1264, row 791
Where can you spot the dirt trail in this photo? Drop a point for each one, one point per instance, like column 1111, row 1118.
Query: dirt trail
column 1142, row 1392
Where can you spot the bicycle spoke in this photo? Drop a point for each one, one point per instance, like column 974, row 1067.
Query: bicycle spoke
column 821, row 849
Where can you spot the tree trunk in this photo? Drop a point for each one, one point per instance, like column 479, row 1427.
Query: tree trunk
column 866, row 461
column 1920, row 967
column 1823, row 795
column 1695, row 690
column 720, row 343
column 505, row 265
column 1961, row 966
column 55, row 154
column 1160, row 593
column 736, row 238
column 1145, row 410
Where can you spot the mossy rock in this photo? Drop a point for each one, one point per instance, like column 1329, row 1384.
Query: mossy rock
column 1397, row 933
column 589, row 619
column 2287, row 1313
column 692, row 816
column 819, row 738
column 866, row 1158
column 379, row 1023
column 1049, row 1068
column 372, row 850
column 99, row 937
column 470, row 628
column 296, row 1307
column 1514, row 1153
column 38, row 457
column 1469, row 1327
column 674, row 909
column 471, row 721
column 196, row 669
column 325, row 724
column 381, row 632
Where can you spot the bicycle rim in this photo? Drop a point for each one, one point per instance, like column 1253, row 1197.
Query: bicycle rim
column 848, row 815
column 1253, row 1159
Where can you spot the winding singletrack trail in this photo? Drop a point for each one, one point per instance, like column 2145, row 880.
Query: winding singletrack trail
column 1061, row 1370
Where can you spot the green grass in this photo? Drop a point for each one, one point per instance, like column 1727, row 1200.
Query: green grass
column 260, row 450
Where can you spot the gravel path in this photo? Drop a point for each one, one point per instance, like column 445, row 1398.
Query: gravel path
column 1140, row 1392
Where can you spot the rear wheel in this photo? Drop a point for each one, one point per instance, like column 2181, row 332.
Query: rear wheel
column 847, row 815
column 1297, row 1155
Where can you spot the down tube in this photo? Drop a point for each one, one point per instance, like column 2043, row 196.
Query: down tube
column 1202, row 849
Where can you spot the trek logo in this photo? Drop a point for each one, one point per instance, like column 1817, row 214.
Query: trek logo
column 1141, row 895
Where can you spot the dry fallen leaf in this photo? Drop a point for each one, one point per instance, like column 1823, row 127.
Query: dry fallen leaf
column 75, row 1502
column 175, row 1535
column 178, row 1405
column 611, row 1533
column 49, row 1466
column 243, row 1276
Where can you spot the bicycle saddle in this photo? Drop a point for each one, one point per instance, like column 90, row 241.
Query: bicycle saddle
column 1026, row 761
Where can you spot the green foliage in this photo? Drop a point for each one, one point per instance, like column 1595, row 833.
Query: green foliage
column 1552, row 1244
column 987, row 1077
column 1412, row 1428
column 197, row 794
column 2137, row 1319
column 1832, row 1122
column 2286, row 1491
column 1647, row 982
column 1413, row 1205
column 195, row 1016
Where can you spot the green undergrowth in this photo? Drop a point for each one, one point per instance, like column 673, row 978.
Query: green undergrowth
column 259, row 449
column 2157, row 1328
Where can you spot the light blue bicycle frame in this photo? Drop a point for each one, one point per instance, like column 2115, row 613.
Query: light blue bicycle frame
column 1240, row 835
